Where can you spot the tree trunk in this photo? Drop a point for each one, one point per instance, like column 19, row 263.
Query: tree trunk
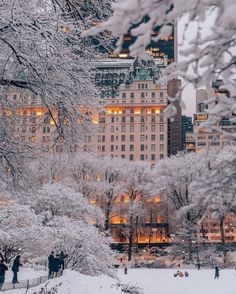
column 107, row 216
column 222, row 235
column 189, row 239
column 130, row 244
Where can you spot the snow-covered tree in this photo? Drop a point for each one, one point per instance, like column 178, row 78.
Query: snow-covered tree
column 216, row 189
column 58, row 218
column 44, row 57
column 138, row 186
column 173, row 178
column 59, row 200
column 18, row 233
column 88, row 249
column 109, row 186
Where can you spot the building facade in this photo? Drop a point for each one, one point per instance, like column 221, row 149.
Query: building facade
column 131, row 123
column 187, row 127
column 175, row 123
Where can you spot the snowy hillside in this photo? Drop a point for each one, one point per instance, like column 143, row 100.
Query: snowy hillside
column 152, row 281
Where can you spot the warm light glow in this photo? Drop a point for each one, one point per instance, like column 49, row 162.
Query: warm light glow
column 39, row 113
column 157, row 110
column 138, row 111
column 157, row 199
column 158, row 219
column 92, row 221
column 118, row 220
column 123, row 55
column 122, row 198
column 66, row 29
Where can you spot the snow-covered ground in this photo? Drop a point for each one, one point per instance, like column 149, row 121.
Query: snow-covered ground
column 153, row 281
column 162, row 281
column 25, row 274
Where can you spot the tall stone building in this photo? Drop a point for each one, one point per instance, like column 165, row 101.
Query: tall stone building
column 175, row 123
column 187, row 127
column 131, row 123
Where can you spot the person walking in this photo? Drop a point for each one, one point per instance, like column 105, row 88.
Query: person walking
column 51, row 265
column 15, row 269
column 62, row 260
column 3, row 269
column 56, row 265
column 217, row 273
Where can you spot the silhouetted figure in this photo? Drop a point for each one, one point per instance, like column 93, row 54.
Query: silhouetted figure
column 126, row 271
column 56, row 265
column 186, row 274
column 15, row 269
column 50, row 265
column 3, row 269
column 62, row 260
column 217, row 273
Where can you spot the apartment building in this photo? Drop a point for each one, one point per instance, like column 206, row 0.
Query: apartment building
column 187, row 127
column 131, row 123
column 205, row 136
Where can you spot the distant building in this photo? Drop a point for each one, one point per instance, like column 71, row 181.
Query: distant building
column 219, row 133
column 166, row 47
column 187, row 127
column 131, row 123
column 175, row 123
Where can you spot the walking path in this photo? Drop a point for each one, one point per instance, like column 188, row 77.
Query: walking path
column 26, row 284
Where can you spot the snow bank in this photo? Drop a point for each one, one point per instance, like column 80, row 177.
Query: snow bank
column 152, row 281
column 73, row 283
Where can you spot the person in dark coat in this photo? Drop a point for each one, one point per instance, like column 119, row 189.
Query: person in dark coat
column 217, row 273
column 15, row 269
column 62, row 259
column 56, row 265
column 3, row 269
column 50, row 265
